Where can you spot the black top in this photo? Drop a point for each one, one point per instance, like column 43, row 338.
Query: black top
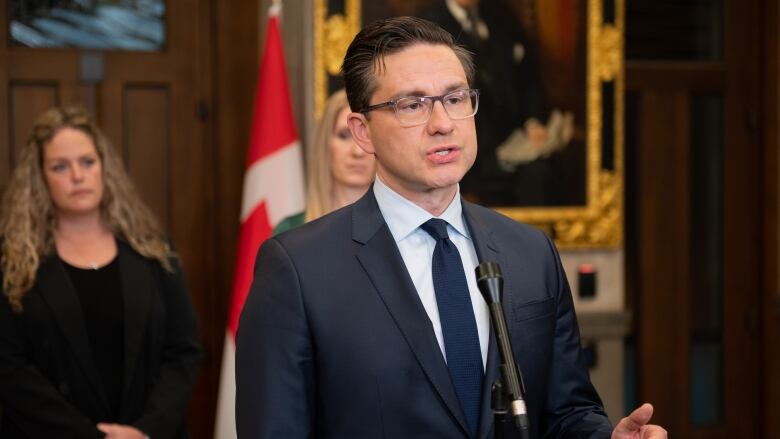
column 50, row 385
column 100, row 294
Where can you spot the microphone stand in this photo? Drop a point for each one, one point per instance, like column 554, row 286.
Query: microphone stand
column 499, row 403
column 491, row 284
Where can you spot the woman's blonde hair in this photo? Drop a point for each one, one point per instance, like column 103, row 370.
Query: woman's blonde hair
column 318, row 173
column 28, row 217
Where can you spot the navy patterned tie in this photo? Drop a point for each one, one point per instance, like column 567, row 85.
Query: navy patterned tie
column 461, row 339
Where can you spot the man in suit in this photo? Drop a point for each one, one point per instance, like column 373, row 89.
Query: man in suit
column 368, row 323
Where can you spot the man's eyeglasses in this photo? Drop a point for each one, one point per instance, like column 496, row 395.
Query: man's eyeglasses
column 416, row 110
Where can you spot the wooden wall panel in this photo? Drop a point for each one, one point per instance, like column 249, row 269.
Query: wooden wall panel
column 770, row 69
column 662, row 158
column 664, row 268
column 28, row 101
column 146, row 146
column 743, row 241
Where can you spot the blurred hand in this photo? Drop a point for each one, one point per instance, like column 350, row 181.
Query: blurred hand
column 537, row 133
column 118, row 431
column 635, row 426
column 536, row 140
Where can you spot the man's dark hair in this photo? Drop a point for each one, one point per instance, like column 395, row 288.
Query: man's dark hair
column 365, row 55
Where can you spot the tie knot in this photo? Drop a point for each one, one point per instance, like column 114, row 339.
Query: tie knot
column 437, row 228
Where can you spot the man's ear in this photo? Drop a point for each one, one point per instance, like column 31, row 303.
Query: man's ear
column 361, row 133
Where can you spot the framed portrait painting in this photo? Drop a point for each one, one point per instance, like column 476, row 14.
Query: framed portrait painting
column 550, row 119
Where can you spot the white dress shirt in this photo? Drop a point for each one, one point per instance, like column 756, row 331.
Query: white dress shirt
column 416, row 246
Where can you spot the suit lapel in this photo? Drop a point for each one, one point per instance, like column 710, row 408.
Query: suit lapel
column 487, row 250
column 137, row 289
column 58, row 292
column 384, row 265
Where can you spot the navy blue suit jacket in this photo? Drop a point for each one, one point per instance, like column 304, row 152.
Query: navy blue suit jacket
column 333, row 341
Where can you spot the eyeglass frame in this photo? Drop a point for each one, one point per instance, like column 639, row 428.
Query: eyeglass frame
column 394, row 102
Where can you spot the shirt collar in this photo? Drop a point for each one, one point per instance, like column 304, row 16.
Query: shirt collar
column 404, row 217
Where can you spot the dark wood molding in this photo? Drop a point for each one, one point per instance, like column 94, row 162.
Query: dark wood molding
column 770, row 111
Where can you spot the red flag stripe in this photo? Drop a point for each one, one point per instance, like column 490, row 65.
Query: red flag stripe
column 273, row 190
column 273, row 125
column 253, row 231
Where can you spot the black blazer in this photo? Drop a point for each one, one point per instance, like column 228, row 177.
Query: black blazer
column 333, row 341
column 49, row 384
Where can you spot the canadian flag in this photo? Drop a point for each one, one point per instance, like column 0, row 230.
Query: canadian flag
column 273, row 190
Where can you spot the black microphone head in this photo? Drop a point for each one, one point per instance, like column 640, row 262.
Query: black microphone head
column 490, row 281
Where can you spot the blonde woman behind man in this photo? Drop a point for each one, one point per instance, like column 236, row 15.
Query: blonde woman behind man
column 338, row 172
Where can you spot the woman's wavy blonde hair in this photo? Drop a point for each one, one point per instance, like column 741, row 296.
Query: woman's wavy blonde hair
column 28, row 216
column 319, row 178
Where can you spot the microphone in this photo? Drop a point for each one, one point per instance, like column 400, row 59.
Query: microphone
column 491, row 284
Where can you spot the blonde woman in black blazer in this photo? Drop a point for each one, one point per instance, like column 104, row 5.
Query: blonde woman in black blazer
column 97, row 330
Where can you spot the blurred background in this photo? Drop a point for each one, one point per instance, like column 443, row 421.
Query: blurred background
column 683, row 313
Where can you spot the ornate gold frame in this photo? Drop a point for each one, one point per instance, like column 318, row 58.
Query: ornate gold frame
column 332, row 35
column 599, row 223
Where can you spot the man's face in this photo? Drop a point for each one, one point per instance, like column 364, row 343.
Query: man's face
column 432, row 157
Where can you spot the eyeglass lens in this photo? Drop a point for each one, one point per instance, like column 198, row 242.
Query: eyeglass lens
column 415, row 110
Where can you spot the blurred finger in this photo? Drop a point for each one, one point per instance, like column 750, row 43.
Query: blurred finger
column 638, row 418
column 655, row 432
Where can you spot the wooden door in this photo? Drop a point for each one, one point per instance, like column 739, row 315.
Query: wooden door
column 694, row 192
column 154, row 108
